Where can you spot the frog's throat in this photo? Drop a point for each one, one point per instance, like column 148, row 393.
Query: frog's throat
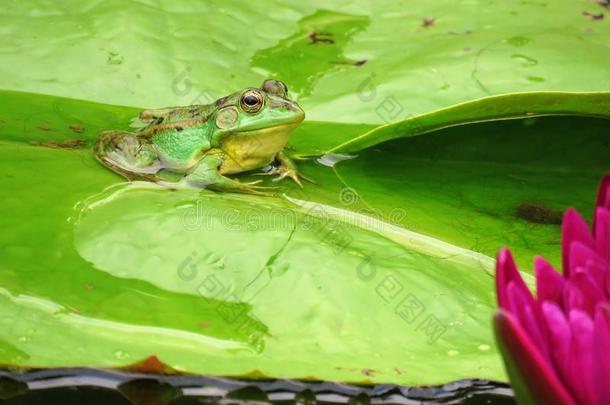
column 254, row 149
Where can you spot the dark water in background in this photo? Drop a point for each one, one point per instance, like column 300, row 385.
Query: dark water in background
column 92, row 386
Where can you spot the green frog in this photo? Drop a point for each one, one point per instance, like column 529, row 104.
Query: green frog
column 198, row 145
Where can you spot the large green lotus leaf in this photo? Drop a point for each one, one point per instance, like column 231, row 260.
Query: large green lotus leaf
column 507, row 106
column 281, row 287
column 295, row 286
column 371, row 62
column 99, row 274
column 477, row 186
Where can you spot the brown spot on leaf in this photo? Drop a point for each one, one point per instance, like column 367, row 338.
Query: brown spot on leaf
column 316, row 38
column 356, row 63
column 428, row 22
column 44, row 127
column 151, row 365
column 538, row 214
column 87, row 286
column 593, row 17
column 76, row 128
column 368, row 372
column 204, row 324
column 69, row 144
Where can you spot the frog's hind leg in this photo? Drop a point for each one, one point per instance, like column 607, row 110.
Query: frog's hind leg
column 206, row 175
column 124, row 153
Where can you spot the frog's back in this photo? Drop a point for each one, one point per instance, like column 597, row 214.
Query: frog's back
column 179, row 134
column 150, row 119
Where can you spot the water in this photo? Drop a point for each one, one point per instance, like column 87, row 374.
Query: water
column 91, row 386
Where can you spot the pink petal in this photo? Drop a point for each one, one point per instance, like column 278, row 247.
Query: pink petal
column 603, row 198
column 532, row 377
column 525, row 309
column 601, row 360
column 573, row 298
column 549, row 283
column 597, row 273
column 574, row 229
column 581, row 357
column 506, row 271
column 581, row 255
column 602, row 232
column 603, row 193
column 559, row 338
column 582, row 293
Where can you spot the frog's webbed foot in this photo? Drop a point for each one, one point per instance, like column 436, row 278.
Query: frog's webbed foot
column 235, row 186
column 225, row 185
column 206, row 175
column 286, row 168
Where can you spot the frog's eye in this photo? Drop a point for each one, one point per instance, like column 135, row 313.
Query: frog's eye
column 251, row 101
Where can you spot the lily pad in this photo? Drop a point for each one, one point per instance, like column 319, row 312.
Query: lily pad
column 112, row 266
column 412, row 60
column 228, row 285
column 508, row 106
column 380, row 272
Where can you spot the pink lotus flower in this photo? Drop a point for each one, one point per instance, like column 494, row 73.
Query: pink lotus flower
column 556, row 345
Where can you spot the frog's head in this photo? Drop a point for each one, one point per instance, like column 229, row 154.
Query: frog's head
column 263, row 117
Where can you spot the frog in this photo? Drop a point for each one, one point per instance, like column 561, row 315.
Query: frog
column 201, row 145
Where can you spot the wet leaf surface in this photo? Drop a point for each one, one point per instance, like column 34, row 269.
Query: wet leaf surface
column 180, row 53
column 380, row 272
column 206, row 278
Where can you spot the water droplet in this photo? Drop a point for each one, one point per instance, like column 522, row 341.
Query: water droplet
column 25, row 339
column 114, row 58
column 121, row 354
column 526, row 61
column 484, row 347
column 331, row 159
column 519, row 40
column 453, row 353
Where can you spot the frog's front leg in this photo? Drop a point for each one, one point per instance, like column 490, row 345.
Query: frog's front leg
column 287, row 168
column 206, row 175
